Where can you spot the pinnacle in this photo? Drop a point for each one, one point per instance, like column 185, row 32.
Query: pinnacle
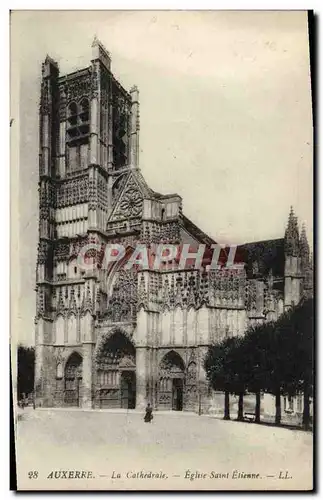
column 50, row 60
column 292, row 219
column 292, row 234
column 292, row 216
column 303, row 232
column 95, row 41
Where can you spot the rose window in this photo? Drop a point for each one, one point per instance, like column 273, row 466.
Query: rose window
column 131, row 203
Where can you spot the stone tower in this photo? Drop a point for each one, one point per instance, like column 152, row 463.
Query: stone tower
column 89, row 126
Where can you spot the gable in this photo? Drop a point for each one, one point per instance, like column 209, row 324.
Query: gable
column 130, row 202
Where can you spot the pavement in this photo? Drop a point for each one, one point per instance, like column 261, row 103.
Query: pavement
column 65, row 449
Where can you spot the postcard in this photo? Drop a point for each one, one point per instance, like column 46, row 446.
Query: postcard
column 162, row 250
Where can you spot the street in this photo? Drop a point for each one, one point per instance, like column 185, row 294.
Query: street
column 77, row 449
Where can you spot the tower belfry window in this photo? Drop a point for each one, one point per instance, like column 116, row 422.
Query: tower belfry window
column 77, row 134
column 78, row 122
column 84, row 110
column 72, row 114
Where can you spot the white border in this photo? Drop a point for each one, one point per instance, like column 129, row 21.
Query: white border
column 4, row 198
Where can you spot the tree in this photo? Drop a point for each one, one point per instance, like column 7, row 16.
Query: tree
column 252, row 354
column 224, row 368
column 276, row 357
column 214, row 365
column 294, row 359
column 235, row 366
column 26, row 370
column 300, row 335
column 262, row 368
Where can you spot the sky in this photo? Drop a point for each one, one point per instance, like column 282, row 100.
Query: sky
column 225, row 115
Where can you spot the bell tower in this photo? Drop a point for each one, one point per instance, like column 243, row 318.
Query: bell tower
column 89, row 126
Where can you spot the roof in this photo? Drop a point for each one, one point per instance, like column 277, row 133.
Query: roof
column 262, row 257
column 196, row 232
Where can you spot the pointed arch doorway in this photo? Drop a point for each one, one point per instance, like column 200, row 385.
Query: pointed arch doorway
column 73, row 380
column 171, row 382
column 116, row 373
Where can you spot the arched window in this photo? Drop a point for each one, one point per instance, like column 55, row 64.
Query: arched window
column 72, row 113
column 84, row 110
column 72, row 109
column 77, row 134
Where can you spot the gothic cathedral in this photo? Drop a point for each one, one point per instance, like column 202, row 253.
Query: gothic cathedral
column 116, row 337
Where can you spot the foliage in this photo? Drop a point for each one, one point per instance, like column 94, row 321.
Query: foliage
column 26, row 370
column 221, row 365
column 275, row 357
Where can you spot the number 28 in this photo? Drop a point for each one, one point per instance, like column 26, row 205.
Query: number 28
column 33, row 474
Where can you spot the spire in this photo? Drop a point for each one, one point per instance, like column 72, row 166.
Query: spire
column 303, row 245
column 292, row 235
column 304, row 251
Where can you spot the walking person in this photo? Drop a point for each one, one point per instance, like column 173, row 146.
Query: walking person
column 149, row 414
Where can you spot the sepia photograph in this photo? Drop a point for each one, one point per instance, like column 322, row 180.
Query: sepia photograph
column 162, row 256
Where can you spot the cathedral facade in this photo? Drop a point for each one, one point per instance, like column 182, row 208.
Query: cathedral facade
column 119, row 337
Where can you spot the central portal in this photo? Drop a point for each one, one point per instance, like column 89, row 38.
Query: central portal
column 116, row 373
